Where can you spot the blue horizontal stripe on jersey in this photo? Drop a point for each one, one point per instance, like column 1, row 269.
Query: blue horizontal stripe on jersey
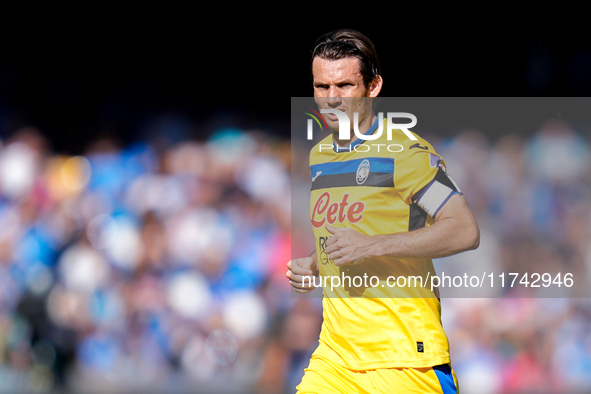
column 376, row 164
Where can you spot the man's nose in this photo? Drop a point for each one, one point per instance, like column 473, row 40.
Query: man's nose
column 333, row 97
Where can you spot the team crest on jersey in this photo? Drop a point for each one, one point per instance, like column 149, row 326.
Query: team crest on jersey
column 362, row 172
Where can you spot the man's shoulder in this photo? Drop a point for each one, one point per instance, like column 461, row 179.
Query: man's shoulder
column 405, row 137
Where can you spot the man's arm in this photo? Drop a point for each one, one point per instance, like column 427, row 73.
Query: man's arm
column 298, row 269
column 455, row 230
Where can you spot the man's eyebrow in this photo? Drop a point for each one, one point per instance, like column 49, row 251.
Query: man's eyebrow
column 348, row 81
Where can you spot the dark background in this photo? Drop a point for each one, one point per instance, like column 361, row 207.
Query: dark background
column 76, row 89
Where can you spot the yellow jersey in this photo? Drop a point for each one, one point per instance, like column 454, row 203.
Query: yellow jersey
column 372, row 320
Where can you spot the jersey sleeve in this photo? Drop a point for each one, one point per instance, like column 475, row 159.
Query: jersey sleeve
column 420, row 177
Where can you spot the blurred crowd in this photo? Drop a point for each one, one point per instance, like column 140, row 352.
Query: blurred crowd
column 161, row 267
column 150, row 266
column 531, row 196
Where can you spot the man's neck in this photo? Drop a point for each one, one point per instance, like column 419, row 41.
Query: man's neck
column 363, row 127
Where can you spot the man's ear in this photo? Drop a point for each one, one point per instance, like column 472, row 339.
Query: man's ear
column 375, row 86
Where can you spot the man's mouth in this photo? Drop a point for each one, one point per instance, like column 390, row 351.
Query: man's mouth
column 332, row 117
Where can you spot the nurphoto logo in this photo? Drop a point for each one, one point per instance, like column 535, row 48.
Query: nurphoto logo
column 345, row 124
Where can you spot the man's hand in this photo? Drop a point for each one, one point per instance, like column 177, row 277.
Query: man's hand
column 347, row 246
column 300, row 268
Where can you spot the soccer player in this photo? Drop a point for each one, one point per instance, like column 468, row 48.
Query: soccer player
column 383, row 215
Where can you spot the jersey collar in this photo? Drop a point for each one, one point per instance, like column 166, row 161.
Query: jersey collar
column 358, row 141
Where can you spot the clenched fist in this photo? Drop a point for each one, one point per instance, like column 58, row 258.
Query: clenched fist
column 298, row 269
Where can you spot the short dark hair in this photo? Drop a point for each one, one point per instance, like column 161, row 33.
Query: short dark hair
column 343, row 43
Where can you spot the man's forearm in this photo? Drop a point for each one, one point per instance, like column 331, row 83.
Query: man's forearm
column 444, row 238
column 455, row 230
